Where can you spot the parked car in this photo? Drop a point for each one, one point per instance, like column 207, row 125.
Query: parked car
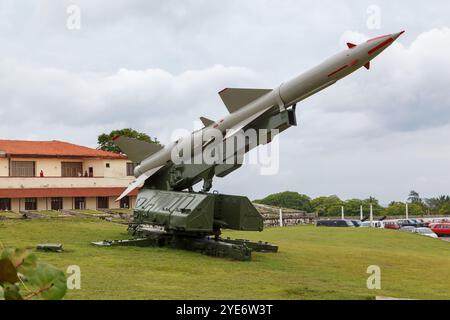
column 356, row 223
column 441, row 229
column 391, row 225
column 373, row 224
column 440, row 220
column 408, row 229
column 419, row 223
column 406, row 223
column 335, row 223
column 426, row 232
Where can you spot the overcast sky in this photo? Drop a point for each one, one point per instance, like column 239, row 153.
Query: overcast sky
column 157, row 66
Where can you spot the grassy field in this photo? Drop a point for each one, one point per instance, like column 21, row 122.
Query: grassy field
column 313, row 263
column 9, row 214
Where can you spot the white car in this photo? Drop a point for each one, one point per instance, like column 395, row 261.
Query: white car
column 373, row 224
column 426, row 232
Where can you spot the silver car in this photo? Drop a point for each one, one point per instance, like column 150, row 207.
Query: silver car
column 408, row 229
column 426, row 232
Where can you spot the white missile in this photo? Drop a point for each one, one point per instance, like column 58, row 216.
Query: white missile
column 247, row 105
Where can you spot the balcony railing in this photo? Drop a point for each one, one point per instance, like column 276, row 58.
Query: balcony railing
column 63, row 182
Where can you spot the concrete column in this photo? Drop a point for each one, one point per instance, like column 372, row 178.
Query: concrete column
column 281, row 217
column 407, row 210
column 371, row 214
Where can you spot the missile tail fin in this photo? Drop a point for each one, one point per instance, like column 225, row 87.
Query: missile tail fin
column 350, row 45
column 138, row 182
column 234, row 98
column 367, row 65
column 135, row 149
column 206, row 122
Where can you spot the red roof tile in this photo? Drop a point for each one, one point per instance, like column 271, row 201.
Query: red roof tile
column 57, row 149
column 63, row 192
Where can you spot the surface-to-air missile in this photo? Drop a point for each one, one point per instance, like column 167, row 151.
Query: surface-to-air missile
column 189, row 219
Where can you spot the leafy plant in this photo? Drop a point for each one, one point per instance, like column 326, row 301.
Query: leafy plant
column 23, row 278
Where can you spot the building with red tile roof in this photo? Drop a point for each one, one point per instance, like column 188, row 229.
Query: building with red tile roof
column 55, row 175
column 53, row 149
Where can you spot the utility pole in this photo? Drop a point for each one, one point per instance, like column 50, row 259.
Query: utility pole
column 361, row 213
column 371, row 215
column 407, row 210
column 281, row 217
column 343, row 212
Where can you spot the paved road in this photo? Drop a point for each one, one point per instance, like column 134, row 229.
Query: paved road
column 446, row 239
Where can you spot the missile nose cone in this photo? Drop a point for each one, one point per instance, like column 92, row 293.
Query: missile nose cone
column 398, row 34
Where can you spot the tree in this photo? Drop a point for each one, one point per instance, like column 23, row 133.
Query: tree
column 353, row 207
column 444, row 209
column 414, row 197
column 106, row 143
column 396, row 209
column 327, row 206
column 288, row 199
column 438, row 205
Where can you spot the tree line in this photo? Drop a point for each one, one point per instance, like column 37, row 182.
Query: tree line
column 332, row 205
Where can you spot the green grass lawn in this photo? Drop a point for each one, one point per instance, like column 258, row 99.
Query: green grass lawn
column 313, row 263
column 49, row 213
column 92, row 212
column 9, row 214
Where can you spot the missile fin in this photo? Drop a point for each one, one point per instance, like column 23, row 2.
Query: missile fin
column 234, row 98
column 135, row 149
column 206, row 122
column 367, row 65
column 139, row 181
column 350, row 45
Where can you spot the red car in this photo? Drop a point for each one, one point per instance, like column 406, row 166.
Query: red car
column 441, row 229
column 391, row 225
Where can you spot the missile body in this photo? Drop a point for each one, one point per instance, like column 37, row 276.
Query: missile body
column 286, row 95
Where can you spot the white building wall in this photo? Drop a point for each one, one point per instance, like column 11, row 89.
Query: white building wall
column 4, row 167
column 113, row 204
column 91, row 203
column 42, row 204
column 97, row 165
column 68, row 203
column 15, row 205
column 117, row 168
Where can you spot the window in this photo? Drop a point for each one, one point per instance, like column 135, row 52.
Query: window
column 125, row 203
column 130, row 169
column 71, row 169
column 108, row 165
column 102, row 203
column 30, row 204
column 5, row 204
column 23, row 169
column 57, row 204
column 80, row 203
